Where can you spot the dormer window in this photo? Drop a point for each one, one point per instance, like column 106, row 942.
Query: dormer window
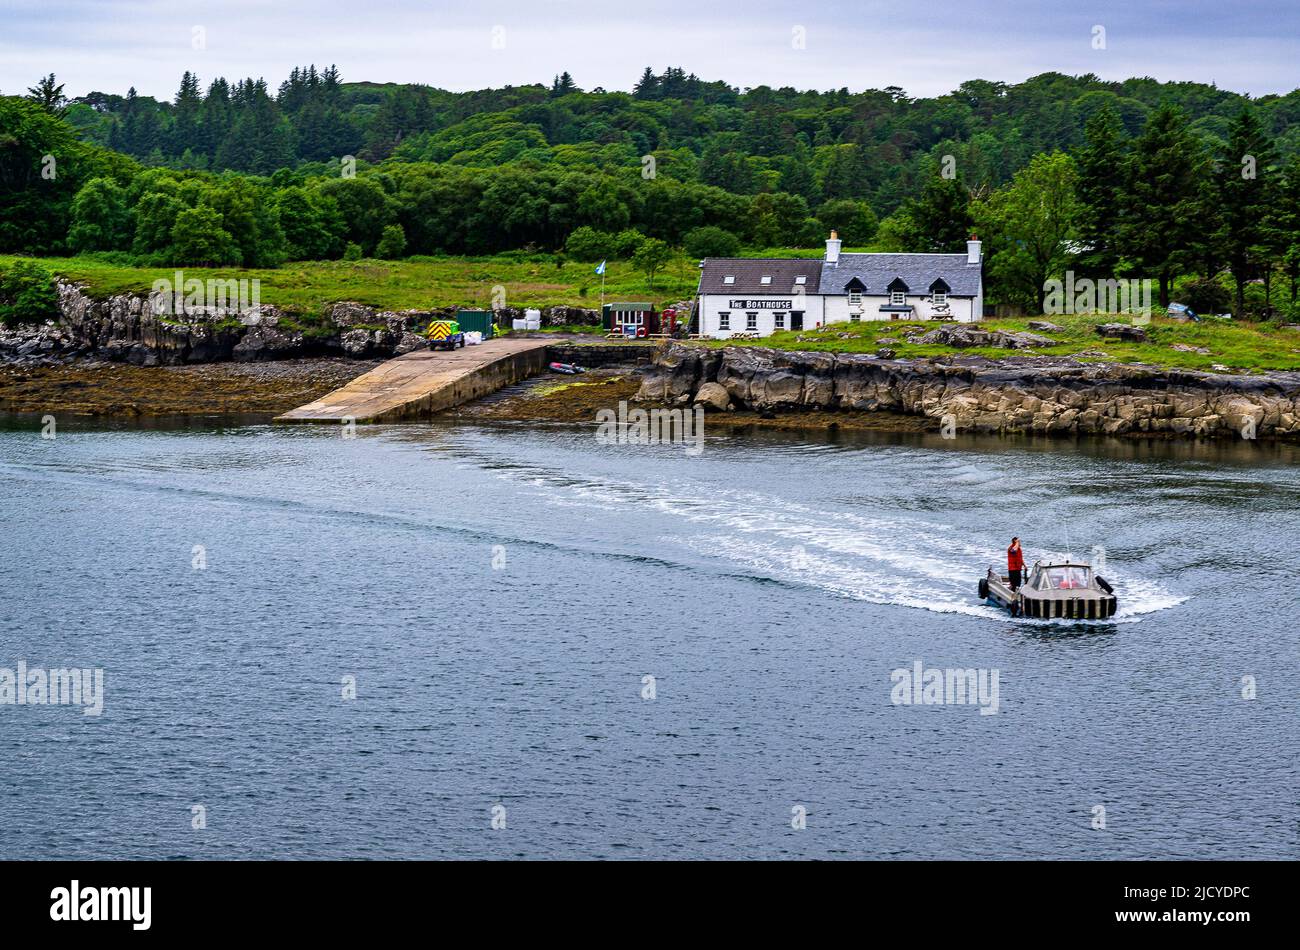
column 801, row 279
column 729, row 279
column 897, row 298
column 939, row 298
column 765, row 279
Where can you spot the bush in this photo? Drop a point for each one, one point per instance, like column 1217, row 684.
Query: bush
column 352, row 252
column 711, row 242
column 392, row 244
column 1204, row 295
column 589, row 245
column 27, row 294
column 626, row 242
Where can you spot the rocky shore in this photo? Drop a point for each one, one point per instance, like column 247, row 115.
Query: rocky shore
column 970, row 393
column 130, row 328
column 119, row 390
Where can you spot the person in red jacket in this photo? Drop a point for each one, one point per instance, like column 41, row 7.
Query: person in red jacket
column 1015, row 563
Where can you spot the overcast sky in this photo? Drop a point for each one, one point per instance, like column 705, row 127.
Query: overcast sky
column 926, row 46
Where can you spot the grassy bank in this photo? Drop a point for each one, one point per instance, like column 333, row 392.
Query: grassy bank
column 1239, row 346
column 308, row 286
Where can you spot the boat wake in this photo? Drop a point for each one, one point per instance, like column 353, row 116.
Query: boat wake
column 878, row 558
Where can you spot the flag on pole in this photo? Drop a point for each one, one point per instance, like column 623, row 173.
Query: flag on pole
column 600, row 268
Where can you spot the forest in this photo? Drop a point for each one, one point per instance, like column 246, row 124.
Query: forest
column 1194, row 187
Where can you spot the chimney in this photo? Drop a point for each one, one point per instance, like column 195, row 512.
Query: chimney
column 973, row 250
column 833, row 248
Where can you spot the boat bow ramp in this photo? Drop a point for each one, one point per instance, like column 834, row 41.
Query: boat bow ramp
column 420, row 383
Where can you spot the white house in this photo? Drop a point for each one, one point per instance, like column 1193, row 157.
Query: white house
column 761, row 295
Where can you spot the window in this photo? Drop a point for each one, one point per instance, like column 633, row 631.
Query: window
column 778, row 321
column 801, row 279
column 729, row 279
column 855, row 317
column 855, row 299
column 765, row 279
column 751, row 321
column 939, row 298
column 724, row 321
column 633, row 317
column 898, row 298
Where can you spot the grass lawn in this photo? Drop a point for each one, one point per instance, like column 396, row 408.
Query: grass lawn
column 306, row 287
column 1239, row 346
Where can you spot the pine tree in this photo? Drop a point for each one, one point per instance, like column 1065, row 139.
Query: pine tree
column 1245, row 187
column 49, row 94
column 647, row 87
column 1101, row 191
column 563, row 85
column 1162, row 196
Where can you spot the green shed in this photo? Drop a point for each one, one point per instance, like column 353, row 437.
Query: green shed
column 476, row 321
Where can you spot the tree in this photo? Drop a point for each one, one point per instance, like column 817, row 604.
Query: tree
column 365, row 208
column 27, row 293
column 711, row 242
column 650, row 257
column 589, row 245
column 1246, row 189
column 392, row 244
column 563, row 85
column 155, row 217
column 101, row 220
column 1286, row 224
column 1101, row 191
column 1028, row 225
column 777, row 219
column 199, row 240
column 185, row 118
column 853, row 221
column 939, row 222
column 311, row 223
column 1162, row 178
column 647, row 87
column 49, row 95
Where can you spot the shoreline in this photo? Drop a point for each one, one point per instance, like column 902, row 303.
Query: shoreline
column 112, row 392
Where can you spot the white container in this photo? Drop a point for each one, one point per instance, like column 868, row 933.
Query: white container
column 518, row 324
column 473, row 338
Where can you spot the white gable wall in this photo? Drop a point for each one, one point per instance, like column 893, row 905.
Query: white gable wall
column 766, row 307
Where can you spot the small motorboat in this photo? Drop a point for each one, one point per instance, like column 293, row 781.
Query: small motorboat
column 1065, row 589
column 566, row 368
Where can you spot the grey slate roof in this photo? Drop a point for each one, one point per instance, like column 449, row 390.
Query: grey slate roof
column 918, row 271
column 748, row 272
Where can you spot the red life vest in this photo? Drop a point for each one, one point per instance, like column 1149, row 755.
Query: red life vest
column 1015, row 559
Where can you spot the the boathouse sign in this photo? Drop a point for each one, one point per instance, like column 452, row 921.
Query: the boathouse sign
column 760, row 304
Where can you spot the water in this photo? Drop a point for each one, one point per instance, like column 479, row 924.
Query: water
column 770, row 586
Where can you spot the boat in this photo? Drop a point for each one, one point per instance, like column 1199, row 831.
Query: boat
column 1060, row 589
column 566, row 368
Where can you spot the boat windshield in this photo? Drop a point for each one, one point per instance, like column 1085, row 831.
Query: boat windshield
column 1065, row 578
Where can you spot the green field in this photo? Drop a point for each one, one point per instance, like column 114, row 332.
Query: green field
column 1239, row 346
column 307, row 287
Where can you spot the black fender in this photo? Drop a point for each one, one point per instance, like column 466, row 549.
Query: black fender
column 1101, row 582
column 984, row 588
